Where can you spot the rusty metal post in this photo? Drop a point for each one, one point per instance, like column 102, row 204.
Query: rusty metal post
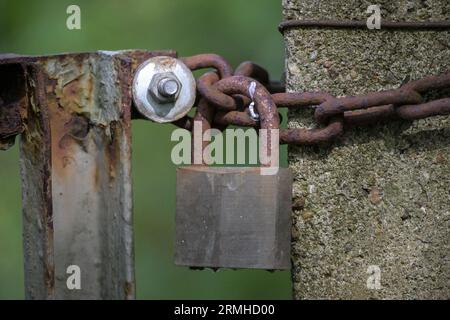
column 73, row 112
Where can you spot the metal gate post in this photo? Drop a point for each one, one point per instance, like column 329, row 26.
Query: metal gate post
column 73, row 112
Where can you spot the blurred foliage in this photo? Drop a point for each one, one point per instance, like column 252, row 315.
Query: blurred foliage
column 239, row 30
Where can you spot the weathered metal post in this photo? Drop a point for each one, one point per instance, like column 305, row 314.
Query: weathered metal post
column 372, row 210
column 73, row 113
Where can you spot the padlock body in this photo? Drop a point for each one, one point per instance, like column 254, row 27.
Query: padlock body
column 233, row 217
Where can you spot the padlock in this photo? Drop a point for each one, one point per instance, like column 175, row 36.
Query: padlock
column 233, row 217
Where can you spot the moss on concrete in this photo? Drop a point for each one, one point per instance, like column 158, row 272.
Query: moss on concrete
column 381, row 194
column 398, row 10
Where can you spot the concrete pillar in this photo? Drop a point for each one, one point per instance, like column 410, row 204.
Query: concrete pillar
column 378, row 199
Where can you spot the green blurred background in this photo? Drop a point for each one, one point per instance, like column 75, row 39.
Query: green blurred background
column 236, row 29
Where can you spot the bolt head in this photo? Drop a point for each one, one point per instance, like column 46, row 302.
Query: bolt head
column 165, row 87
column 168, row 87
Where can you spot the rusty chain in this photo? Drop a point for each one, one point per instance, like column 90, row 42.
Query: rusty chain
column 224, row 99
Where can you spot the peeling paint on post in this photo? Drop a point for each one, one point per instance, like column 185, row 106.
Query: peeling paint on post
column 75, row 167
column 378, row 198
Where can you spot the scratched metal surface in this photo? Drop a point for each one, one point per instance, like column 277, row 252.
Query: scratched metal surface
column 75, row 166
column 233, row 217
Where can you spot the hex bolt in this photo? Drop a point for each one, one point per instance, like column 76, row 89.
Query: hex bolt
column 165, row 87
column 168, row 87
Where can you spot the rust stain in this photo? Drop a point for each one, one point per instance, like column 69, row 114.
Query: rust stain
column 128, row 290
column 139, row 56
column 74, row 86
column 125, row 76
column 49, row 266
column 375, row 195
column 69, row 91
column 166, row 63
column 37, row 145
column 77, row 127
column 308, row 215
column 299, row 203
column 67, row 161
column 113, row 150
column 96, row 178
column 61, row 132
column 70, row 96
column 440, row 158
column 13, row 103
column 10, row 120
column 125, row 79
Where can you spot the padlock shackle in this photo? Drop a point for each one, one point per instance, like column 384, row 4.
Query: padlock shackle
column 266, row 107
column 223, row 92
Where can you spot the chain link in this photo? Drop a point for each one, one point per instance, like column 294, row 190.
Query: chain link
column 226, row 98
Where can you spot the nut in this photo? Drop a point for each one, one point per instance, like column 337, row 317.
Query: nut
column 165, row 87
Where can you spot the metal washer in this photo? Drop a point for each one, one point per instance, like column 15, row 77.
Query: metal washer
column 150, row 107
